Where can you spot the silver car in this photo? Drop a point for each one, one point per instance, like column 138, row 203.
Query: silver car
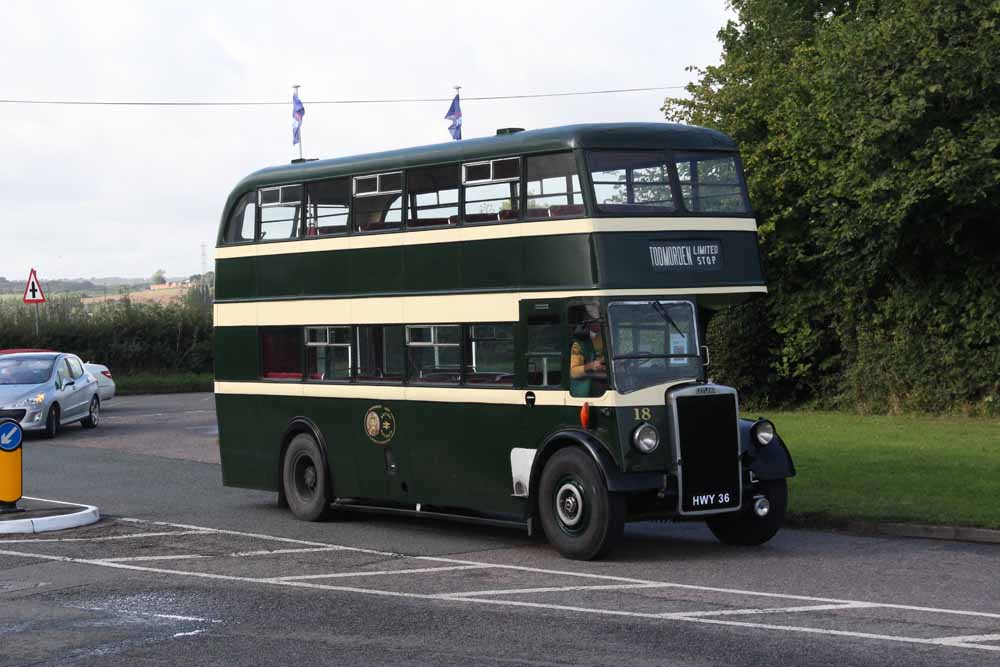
column 47, row 390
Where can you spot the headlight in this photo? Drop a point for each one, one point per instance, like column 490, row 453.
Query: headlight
column 763, row 432
column 30, row 401
column 646, row 438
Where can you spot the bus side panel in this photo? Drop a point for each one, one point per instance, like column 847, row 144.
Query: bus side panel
column 235, row 278
column 460, row 452
column 249, row 456
column 491, row 265
column 558, row 262
column 235, row 360
column 341, row 423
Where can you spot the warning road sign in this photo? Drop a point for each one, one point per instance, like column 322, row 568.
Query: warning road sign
column 33, row 290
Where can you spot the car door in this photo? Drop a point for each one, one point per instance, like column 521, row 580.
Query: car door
column 65, row 389
column 82, row 388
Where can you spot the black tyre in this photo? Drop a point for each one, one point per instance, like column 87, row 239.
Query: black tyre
column 745, row 527
column 305, row 479
column 52, row 422
column 93, row 417
column 580, row 517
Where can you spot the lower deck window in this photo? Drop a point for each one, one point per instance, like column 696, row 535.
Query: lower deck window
column 434, row 353
column 281, row 353
column 489, row 354
column 328, row 353
column 380, row 353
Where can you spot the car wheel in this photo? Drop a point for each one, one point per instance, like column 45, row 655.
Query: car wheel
column 52, row 422
column 305, row 480
column 745, row 527
column 93, row 418
column 580, row 517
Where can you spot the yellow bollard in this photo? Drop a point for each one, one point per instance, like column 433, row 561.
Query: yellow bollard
column 10, row 465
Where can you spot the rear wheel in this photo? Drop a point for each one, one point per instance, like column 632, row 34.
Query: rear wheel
column 580, row 517
column 52, row 422
column 305, row 479
column 93, row 417
column 746, row 527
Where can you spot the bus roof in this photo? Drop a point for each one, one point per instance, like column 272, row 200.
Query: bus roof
column 596, row 135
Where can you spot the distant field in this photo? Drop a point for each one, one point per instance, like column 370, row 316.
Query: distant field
column 941, row 470
column 144, row 296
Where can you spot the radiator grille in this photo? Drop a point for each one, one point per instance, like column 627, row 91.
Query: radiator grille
column 708, row 446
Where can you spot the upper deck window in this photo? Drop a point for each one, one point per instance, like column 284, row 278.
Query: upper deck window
column 631, row 182
column 711, row 183
column 242, row 220
column 378, row 202
column 492, row 190
column 279, row 212
column 553, row 187
column 432, row 196
column 328, row 207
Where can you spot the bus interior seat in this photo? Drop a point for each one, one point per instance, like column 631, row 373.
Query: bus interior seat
column 565, row 210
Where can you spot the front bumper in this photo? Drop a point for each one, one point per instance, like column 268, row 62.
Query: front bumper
column 31, row 419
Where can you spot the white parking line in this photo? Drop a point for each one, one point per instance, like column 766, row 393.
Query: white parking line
column 130, row 536
column 584, row 575
column 770, row 610
column 420, row 570
column 620, row 583
column 272, row 552
column 127, row 559
column 550, row 589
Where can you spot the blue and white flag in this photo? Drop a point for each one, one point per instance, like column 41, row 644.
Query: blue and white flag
column 455, row 116
column 298, row 112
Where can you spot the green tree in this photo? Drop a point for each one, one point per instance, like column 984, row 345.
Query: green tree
column 870, row 132
column 159, row 277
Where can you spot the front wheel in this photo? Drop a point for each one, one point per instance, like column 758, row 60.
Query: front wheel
column 305, row 479
column 745, row 527
column 580, row 517
column 52, row 422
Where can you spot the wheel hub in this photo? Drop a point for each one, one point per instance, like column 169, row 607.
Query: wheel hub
column 569, row 504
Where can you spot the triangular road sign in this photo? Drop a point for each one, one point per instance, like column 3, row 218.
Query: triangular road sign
column 33, row 290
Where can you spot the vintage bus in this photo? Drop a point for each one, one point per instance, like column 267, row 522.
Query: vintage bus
column 508, row 329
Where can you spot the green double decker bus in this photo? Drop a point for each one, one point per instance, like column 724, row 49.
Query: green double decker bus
column 508, row 329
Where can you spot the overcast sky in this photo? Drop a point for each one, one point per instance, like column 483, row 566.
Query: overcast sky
column 123, row 191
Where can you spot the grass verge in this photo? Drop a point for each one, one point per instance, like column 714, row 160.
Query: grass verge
column 932, row 470
column 162, row 383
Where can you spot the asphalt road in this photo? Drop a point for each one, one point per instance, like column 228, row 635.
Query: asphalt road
column 184, row 571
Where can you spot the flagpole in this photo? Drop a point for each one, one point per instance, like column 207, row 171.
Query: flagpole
column 296, row 92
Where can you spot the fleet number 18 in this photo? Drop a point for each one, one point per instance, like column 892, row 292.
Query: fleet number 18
column 643, row 414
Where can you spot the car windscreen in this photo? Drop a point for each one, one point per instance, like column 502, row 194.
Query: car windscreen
column 25, row 370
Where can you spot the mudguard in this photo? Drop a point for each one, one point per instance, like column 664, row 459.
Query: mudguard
column 770, row 462
column 303, row 425
column 614, row 478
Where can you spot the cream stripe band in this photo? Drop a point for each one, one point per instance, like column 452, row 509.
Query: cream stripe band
column 465, row 308
column 496, row 396
column 486, row 232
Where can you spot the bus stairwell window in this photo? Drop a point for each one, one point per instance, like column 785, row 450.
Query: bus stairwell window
column 544, row 351
column 281, row 353
column 553, row 187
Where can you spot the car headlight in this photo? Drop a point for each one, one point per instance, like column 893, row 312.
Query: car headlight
column 31, row 401
column 762, row 432
column 646, row 438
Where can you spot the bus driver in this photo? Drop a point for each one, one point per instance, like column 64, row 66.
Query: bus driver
column 586, row 363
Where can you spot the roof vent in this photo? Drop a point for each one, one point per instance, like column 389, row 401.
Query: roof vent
column 509, row 130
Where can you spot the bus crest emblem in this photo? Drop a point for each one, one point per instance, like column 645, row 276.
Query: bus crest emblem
column 380, row 424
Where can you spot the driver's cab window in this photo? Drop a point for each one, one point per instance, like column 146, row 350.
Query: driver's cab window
column 588, row 365
column 653, row 342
